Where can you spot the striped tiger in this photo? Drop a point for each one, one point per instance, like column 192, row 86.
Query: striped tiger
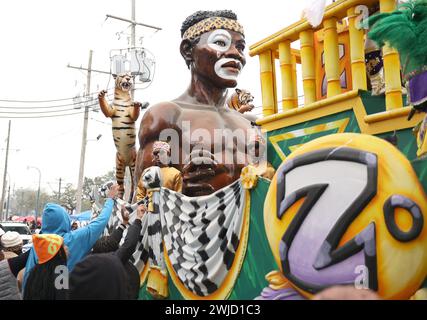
column 241, row 101
column 123, row 113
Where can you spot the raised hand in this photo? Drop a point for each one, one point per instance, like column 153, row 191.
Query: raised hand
column 125, row 215
column 113, row 192
column 140, row 211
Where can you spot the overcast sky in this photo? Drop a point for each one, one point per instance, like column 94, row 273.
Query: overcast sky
column 40, row 37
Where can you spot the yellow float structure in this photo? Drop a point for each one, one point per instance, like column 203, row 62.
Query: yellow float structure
column 337, row 100
column 277, row 46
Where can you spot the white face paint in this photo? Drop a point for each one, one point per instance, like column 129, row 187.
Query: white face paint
column 225, row 72
column 220, row 40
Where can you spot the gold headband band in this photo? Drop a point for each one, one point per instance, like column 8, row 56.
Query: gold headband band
column 210, row 24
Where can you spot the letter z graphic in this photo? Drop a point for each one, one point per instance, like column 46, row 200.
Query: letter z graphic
column 337, row 184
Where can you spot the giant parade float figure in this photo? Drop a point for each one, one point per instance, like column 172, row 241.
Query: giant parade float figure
column 344, row 208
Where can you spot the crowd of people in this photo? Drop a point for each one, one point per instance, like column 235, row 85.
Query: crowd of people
column 72, row 264
column 71, row 261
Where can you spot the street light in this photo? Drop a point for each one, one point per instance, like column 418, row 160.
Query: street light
column 38, row 193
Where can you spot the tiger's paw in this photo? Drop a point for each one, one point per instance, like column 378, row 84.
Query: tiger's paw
column 246, row 108
column 141, row 105
column 102, row 94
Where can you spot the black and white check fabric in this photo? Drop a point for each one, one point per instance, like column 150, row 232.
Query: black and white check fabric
column 202, row 235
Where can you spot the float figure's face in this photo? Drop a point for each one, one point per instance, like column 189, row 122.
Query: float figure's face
column 161, row 158
column 348, row 209
column 219, row 57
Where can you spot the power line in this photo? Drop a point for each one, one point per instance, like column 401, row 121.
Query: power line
column 50, row 107
column 40, row 114
column 35, row 117
column 94, row 70
column 26, row 116
column 50, row 111
column 109, row 124
column 44, row 101
column 53, row 106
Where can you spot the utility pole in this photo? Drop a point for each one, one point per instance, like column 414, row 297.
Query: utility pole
column 132, row 42
column 59, row 190
column 133, row 34
column 8, row 203
column 3, row 194
column 38, row 192
column 84, row 137
column 133, row 22
column 38, row 196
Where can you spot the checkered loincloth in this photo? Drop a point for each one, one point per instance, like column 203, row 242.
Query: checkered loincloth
column 201, row 235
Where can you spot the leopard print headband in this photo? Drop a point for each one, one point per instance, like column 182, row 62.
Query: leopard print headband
column 160, row 145
column 210, row 24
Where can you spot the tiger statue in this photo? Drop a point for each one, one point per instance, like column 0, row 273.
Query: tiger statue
column 123, row 113
column 241, row 101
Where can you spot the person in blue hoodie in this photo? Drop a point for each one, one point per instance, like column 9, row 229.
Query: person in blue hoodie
column 55, row 220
